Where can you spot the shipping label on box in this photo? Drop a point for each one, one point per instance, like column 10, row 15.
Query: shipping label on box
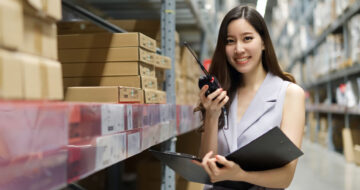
column 112, row 118
column 148, row 83
column 151, row 96
column 129, row 95
column 11, row 76
column 101, row 55
column 11, row 24
column 106, row 40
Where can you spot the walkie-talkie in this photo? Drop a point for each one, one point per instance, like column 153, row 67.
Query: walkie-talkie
column 209, row 80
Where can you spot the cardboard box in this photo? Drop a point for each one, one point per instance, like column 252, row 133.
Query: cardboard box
column 106, row 40
column 39, row 38
column 162, row 96
column 110, row 94
column 154, row 96
column 162, row 62
column 31, row 76
column 106, row 55
column 48, row 8
column 130, row 81
column 10, row 76
column 357, row 154
column 51, row 77
column 350, row 138
column 11, row 24
column 108, row 69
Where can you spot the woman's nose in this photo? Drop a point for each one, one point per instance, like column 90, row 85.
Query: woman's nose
column 239, row 48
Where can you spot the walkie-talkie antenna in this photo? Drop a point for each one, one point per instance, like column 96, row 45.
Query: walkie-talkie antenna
column 197, row 60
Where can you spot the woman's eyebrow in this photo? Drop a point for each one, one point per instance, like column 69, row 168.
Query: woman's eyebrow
column 242, row 34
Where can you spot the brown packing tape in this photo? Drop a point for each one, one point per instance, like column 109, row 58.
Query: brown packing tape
column 11, row 24
column 10, row 76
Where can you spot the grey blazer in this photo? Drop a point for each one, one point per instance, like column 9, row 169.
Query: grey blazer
column 263, row 114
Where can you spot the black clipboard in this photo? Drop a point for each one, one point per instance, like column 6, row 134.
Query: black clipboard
column 269, row 151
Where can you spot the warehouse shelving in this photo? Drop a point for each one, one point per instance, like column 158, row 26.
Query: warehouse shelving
column 60, row 142
column 150, row 9
column 327, row 81
column 339, row 22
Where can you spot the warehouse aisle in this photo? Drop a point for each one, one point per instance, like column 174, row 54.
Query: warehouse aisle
column 321, row 169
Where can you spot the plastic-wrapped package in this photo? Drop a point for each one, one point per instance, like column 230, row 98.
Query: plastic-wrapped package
column 133, row 141
column 41, row 171
column 110, row 150
column 81, row 159
column 145, row 115
column 112, row 118
column 32, row 140
column 150, row 136
column 89, row 123
column 154, row 110
column 137, row 116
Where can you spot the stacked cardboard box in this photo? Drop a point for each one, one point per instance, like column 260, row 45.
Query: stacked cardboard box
column 187, row 76
column 106, row 59
column 28, row 52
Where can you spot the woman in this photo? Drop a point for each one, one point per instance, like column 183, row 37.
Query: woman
column 258, row 96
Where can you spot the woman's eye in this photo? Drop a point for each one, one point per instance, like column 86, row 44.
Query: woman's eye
column 248, row 38
column 229, row 41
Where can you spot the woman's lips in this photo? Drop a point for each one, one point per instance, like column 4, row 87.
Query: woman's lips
column 242, row 61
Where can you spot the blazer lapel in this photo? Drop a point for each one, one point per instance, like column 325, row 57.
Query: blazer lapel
column 264, row 100
column 230, row 133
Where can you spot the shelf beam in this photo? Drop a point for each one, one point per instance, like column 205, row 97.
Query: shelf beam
column 355, row 69
column 92, row 17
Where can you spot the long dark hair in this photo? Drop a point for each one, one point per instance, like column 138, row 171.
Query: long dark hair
column 229, row 78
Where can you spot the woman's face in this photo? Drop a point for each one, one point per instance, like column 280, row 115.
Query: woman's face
column 243, row 46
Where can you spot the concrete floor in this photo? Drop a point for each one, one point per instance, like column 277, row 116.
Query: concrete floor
column 320, row 168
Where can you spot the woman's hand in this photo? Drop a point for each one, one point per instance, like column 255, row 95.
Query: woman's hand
column 214, row 101
column 229, row 171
